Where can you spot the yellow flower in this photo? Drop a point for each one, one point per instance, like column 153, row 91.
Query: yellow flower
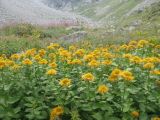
column 157, row 46
column 127, row 75
column 42, row 52
column 56, row 45
column 43, row 62
column 93, row 63
column 2, row 64
column 65, row 54
column 112, row 78
column 30, row 52
column 52, row 56
column 143, row 42
column 27, row 62
column 135, row 114
column 72, row 48
column 107, row 62
column 9, row 62
column 88, row 77
column 53, row 65
column 148, row 66
column 135, row 59
column 103, row 89
column 55, row 112
column 114, row 75
column 133, row 42
column 108, row 55
column 80, row 52
column 123, row 47
column 157, row 72
column 127, row 56
column 37, row 57
column 116, row 71
column 155, row 118
column 75, row 62
column 89, row 57
column 15, row 67
column 15, row 56
column 65, row 82
column 50, row 47
column 51, row 72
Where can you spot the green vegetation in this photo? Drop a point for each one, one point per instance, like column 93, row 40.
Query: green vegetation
column 113, row 82
column 17, row 38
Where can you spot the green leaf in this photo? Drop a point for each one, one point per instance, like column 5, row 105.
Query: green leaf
column 98, row 116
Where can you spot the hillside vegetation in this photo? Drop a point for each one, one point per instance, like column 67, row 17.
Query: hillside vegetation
column 108, row 71
column 113, row 12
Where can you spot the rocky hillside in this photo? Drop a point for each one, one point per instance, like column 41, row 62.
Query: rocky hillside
column 111, row 12
column 36, row 12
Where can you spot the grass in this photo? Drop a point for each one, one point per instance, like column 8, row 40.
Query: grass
column 13, row 41
column 20, row 37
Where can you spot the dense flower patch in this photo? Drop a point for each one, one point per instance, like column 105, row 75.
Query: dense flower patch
column 115, row 82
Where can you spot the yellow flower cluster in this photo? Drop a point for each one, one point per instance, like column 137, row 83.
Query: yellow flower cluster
column 103, row 89
column 56, row 112
column 88, row 77
column 65, row 82
column 51, row 72
column 117, row 73
column 135, row 114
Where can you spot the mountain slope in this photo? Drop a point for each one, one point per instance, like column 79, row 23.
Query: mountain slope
column 33, row 11
column 113, row 11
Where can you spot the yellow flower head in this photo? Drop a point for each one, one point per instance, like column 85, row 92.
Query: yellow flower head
column 135, row 114
column 88, row 77
column 2, row 64
column 155, row 118
column 27, row 62
column 65, row 82
column 80, row 52
column 156, row 72
column 89, row 57
column 108, row 55
column 127, row 56
column 135, row 59
column 30, row 52
column 9, row 62
column 116, row 71
column 15, row 56
column 127, row 75
column 103, row 89
column 43, row 62
column 15, row 67
column 157, row 46
column 42, row 52
column 133, row 42
column 53, row 65
column 37, row 57
column 148, row 66
column 51, row 72
column 107, row 62
column 52, row 56
column 65, row 54
column 114, row 75
column 93, row 63
column 55, row 112
column 72, row 48
column 75, row 62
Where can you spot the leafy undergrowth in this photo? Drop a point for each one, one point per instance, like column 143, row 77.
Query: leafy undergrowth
column 113, row 82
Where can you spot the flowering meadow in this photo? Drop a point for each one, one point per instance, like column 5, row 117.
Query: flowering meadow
column 113, row 82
